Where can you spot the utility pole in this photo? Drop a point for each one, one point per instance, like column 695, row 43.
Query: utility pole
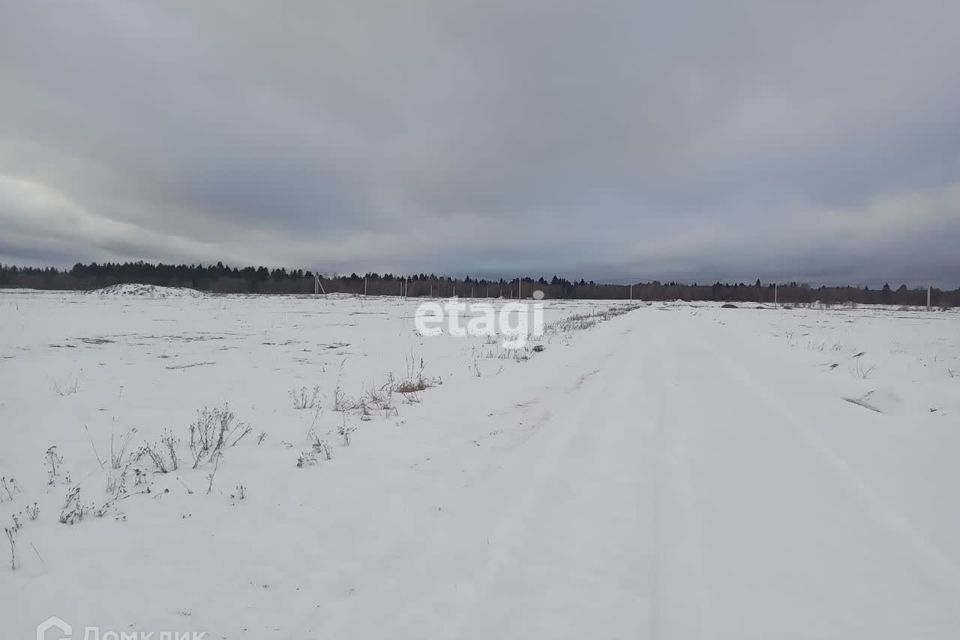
column 631, row 293
column 774, row 294
column 929, row 291
column 364, row 285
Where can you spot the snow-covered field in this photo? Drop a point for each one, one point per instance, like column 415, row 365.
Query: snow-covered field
column 678, row 471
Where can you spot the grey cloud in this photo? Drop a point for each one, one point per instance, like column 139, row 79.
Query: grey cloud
column 617, row 140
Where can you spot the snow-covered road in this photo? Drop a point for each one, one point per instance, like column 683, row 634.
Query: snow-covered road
column 676, row 472
column 666, row 491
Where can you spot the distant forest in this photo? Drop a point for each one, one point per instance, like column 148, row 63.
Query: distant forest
column 223, row 279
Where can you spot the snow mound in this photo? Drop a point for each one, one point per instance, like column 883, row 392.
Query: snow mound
column 146, row 291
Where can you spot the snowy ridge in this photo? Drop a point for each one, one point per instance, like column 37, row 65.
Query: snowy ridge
column 146, row 291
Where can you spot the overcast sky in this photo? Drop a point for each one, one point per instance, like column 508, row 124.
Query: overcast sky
column 815, row 140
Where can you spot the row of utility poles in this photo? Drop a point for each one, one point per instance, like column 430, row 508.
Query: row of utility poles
column 405, row 286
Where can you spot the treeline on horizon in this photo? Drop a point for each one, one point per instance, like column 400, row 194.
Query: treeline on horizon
column 224, row 279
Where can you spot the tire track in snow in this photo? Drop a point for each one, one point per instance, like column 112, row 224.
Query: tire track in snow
column 764, row 529
column 934, row 562
column 677, row 572
column 524, row 522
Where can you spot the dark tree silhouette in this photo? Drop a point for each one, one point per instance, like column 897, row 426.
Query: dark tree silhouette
column 220, row 278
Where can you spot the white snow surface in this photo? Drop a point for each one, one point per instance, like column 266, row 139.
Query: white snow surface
column 679, row 471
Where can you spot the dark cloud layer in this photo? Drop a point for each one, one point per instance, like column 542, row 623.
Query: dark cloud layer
column 614, row 140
